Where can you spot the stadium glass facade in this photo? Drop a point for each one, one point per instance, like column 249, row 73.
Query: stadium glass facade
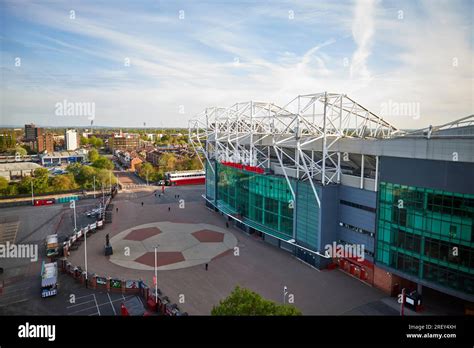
column 427, row 234
column 264, row 203
column 261, row 201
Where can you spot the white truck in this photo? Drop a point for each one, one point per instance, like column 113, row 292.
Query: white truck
column 52, row 245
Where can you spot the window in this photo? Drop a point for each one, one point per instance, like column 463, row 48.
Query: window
column 358, row 206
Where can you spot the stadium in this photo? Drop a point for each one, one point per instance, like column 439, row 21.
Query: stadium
column 324, row 170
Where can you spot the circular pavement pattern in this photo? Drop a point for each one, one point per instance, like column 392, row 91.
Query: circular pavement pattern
column 179, row 245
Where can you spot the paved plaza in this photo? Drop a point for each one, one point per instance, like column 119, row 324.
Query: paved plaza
column 188, row 235
column 178, row 245
column 256, row 264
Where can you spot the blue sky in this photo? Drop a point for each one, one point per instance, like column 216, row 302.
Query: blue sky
column 188, row 55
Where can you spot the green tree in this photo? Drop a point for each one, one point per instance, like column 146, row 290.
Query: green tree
column 74, row 169
column 146, row 170
column 246, row 302
column 24, row 186
column 105, row 178
column 3, row 185
column 85, row 176
column 103, row 163
column 41, row 176
column 98, row 143
column 93, row 155
column 12, row 190
column 21, row 151
column 168, row 161
column 63, row 182
column 84, row 141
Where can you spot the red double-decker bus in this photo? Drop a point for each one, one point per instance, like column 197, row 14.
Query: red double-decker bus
column 187, row 177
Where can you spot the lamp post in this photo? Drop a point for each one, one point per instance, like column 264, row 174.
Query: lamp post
column 156, row 273
column 32, row 194
column 94, row 186
column 284, row 294
column 85, row 252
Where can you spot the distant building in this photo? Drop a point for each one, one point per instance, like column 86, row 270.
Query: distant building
column 32, row 132
column 58, row 158
column 71, row 140
column 153, row 157
column 124, row 142
column 44, row 143
column 128, row 159
column 16, row 171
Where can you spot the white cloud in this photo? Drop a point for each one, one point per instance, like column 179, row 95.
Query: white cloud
column 363, row 32
column 195, row 68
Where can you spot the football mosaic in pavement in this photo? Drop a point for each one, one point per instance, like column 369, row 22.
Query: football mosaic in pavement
column 179, row 245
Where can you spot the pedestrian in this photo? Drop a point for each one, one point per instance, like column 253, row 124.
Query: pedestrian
column 155, row 194
column 142, row 204
column 116, row 209
column 178, row 196
column 159, row 196
column 169, row 208
column 226, row 224
column 206, row 266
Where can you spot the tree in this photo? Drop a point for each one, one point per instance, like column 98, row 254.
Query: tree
column 3, row 185
column 98, row 143
column 168, row 161
column 246, row 302
column 93, row 155
column 84, row 141
column 63, row 182
column 103, row 163
column 41, row 176
column 74, row 169
column 147, row 171
column 12, row 190
column 24, row 186
column 85, row 176
column 21, row 151
column 103, row 178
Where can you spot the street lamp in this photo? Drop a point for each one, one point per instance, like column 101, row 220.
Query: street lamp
column 156, row 273
column 284, row 294
column 94, row 186
column 32, row 194
column 85, row 252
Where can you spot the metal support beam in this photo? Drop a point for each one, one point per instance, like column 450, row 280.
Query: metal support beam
column 376, row 173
